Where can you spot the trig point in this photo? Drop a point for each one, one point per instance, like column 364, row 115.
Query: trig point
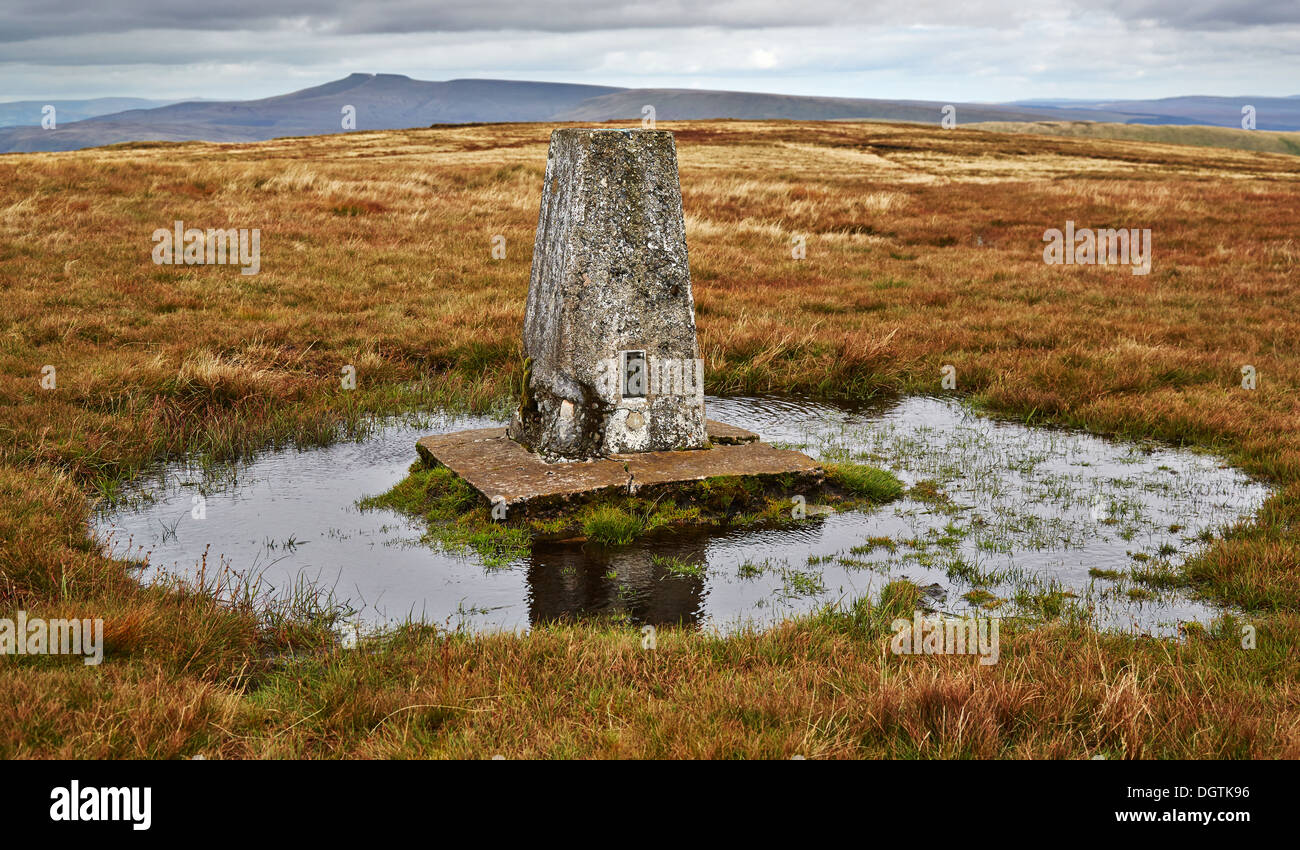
column 612, row 364
column 613, row 384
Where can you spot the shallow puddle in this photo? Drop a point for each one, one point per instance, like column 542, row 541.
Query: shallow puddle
column 1008, row 517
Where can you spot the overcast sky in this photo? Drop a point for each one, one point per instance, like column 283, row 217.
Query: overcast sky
column 976, row 50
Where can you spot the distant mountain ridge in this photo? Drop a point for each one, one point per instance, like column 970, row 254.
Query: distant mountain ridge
column 696, row 104
column 382, row 102
column 395, row 101
column 1272, row 113
column 18, row 113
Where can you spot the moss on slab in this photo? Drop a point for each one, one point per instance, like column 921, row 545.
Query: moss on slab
column 459, row 519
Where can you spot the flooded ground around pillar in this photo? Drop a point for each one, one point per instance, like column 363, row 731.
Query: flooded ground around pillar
column 1000, row 519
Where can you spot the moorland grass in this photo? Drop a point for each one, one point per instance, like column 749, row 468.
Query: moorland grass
column 923, row 250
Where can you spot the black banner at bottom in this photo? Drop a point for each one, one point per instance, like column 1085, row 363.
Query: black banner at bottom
column 267, row 800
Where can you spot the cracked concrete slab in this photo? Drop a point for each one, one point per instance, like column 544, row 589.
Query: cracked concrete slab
column 498, row 467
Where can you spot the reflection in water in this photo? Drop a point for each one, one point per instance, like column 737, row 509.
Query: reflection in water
column 1005, row 514
column 571, row 579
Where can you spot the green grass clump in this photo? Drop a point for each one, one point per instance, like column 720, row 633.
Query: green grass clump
column 969, row 573
column 868, row 482
column 1159, row 575
column 497, row 544
column 1045, row 604
column 437, row 494
column 865, row 617
column 611, row 526
column 797, row 583
column 678, row 566
column 873, row 543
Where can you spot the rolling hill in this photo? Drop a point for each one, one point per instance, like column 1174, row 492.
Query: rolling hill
column 382, row 102
column 1271, row 113
column 19, row 113
column 1181, row 134
column 395, row 101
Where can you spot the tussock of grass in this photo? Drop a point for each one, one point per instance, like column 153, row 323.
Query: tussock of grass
column 611, row 526
column 868, row 482
column 873, row 543
column 1159, row 575
column 434, row 492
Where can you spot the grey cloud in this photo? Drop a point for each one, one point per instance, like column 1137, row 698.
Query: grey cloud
column 54, row 18
column 32, row 19
column 1207, row 14
column 26, row 20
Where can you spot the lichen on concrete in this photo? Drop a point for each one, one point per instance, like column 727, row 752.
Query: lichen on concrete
column 610, row 276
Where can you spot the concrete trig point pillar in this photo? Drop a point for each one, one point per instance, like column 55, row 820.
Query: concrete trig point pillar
column 612, row 363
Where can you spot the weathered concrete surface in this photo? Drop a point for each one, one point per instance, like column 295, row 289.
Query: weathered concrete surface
column 722, row 434
column 500, row 468
column 610, row 280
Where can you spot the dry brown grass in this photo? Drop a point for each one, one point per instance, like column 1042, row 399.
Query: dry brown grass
column 924, row 248
column 1286, row 142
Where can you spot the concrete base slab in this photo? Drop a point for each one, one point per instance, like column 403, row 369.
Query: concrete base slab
column 497, row 466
